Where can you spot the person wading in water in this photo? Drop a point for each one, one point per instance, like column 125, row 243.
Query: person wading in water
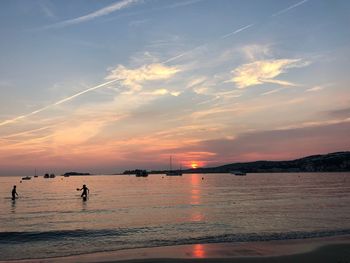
column 14, row 193
column 85, row 192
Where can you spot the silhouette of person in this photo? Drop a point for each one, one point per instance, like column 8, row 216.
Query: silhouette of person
column 85, row 192
column 14, row 193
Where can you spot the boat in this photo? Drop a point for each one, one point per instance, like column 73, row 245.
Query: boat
column 35, row 175
column 141, row 173
column 172, row 172
column 238, row 173
column 26, row 178
column 49, row 175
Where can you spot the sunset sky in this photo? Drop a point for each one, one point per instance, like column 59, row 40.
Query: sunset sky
column 104, row 86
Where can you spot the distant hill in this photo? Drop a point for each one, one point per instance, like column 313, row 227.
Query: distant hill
column 332, row 162
column 75, row 173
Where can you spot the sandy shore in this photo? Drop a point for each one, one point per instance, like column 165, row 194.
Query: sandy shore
column 329, row 249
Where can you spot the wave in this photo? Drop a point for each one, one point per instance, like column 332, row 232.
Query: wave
column 61, row 235
column 33, row 236
column 253, row 237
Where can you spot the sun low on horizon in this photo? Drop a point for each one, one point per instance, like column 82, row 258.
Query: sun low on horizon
column 106, row 86
column 194, row 165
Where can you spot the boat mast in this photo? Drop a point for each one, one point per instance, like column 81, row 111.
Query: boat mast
column 171, row 165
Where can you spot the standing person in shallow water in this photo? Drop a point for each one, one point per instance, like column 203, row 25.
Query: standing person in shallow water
column 85, row 192
column 14, row 193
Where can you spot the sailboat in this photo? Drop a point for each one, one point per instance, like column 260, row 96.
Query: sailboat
column 172, row 172
column 35, row 175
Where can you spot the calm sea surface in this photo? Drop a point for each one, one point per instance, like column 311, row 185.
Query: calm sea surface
column 50, row 219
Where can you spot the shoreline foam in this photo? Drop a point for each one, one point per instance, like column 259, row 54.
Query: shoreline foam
column 336, row 249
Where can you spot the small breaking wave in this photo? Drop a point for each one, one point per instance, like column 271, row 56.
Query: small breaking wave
column 60, row 235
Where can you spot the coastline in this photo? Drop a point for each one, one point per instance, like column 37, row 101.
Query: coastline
column 325, row 249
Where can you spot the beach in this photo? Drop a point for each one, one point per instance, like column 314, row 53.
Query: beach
column 327, row 249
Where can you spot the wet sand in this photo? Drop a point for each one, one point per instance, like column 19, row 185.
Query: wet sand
column 329, row 249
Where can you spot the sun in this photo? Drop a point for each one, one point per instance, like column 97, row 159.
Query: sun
column 194, row 165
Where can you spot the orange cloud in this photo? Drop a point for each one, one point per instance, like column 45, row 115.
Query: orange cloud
column 265, row 71
column 134, row 78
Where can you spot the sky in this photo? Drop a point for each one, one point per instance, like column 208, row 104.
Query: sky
column 104, row 86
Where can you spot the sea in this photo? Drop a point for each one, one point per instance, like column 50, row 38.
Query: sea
column 50, row 219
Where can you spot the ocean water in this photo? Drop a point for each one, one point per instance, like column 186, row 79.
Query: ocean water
column 49, row 218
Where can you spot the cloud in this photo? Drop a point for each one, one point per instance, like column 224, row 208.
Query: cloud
column 256, row 52
column 98, row 13
column 196, row 81
column 46, row 9
column 344, row 112
column 277, row 144
column 137, row 23
column 271, row 92
column 162, row 92
column 316, row 88
column 264, row 71
column 134, row 78
column 185, row 3
column 76, row 134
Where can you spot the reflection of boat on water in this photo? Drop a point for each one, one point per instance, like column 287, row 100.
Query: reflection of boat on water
column 141, row 173
column 26, row 178
column 172, row 172
column 238, row 173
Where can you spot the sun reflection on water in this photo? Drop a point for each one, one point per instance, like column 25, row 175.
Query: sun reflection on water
column 196, row 215
column 198, row 251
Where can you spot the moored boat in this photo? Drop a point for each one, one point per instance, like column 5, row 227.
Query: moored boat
column 26, row 178
column 172, row 172
column 141, row 173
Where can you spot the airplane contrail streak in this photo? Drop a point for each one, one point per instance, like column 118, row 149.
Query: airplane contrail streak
column 203, row 45
column 237, row 31
column 289, row 8
column 183, row 54
column 234, row 32
column 9, row 121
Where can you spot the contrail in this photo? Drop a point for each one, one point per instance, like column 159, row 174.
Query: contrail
column 289, row 8
column 203, row 45
column 3, row 138
column 98, row 13
column 237, row 31
column 9, row 121
column 183, row 54
column 234, row 32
